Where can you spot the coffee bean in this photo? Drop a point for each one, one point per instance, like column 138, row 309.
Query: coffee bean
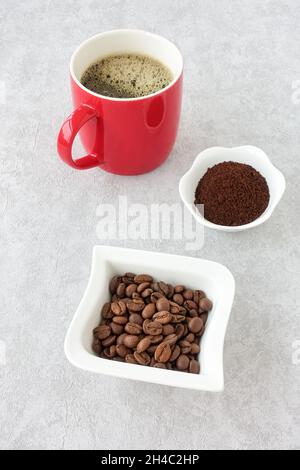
column 174, row 308
column 131, row 289
column 179, row 331
column 143, row 287
column 179, row 289
column 120, row 338
column 195, row 325
column 156, row 296
column 198, row 295
column 206, row 304
column 120, row 320
column 190, row 305
column 182, row 362
column 156, row 339
column 133, row 329
column 170, row 339
column 188, row 294
column 130, row 359
column 136, row 305
column 190, row 337
column 175, row 353
column 142, row 358
column 131, row 341
column 96, row 346
column 159, row 365
column 114, row 283
column 171, row 291
column 204, row 317
column 163, row 305
column 130, row 275
column 151, row 350
column 102, row 332
column 106, row 343
column 106, row 311
column 149, row 311
column 164, row 288
column 136, row 318
column 144, row 344
column 178, row 299
column 119, row 308
column 110, row 352
column 122, row 350
column 168, row 330
column 177, row 318
column 163, row 352
column 194, row 367
column 195, row 348
column 116, row 329
column 193, row 313
column 185, row 346
column 163, row 317
column 147, row 293
column 152, row 328
column 141, row 278
column 121, row 289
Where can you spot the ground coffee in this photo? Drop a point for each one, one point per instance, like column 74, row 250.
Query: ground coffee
column 233, row 194
column 152, row 324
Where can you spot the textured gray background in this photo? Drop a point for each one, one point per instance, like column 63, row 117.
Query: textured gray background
column 241, row 61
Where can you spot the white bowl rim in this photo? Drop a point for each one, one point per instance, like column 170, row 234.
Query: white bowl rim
column 81, row 358
column 206, row 154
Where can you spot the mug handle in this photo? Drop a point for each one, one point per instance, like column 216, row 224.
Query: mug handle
column 67, row 134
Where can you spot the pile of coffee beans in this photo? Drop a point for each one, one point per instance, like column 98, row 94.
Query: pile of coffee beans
column 152, row 324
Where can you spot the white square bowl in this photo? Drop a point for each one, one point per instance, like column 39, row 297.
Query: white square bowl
column 214, row 278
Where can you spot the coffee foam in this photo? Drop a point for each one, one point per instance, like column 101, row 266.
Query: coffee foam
column 126, row 76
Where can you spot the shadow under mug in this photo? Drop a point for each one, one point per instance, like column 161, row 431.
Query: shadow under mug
column 123, row 136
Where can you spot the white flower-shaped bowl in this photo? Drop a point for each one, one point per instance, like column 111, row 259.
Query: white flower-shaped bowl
column 247, row 154
column 215, row 279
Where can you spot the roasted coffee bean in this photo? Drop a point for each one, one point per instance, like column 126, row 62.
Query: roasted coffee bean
column 156, row 296
column 177, row 318
column 182, row 362
column 204, row 317
column 194, row 367
column 195, row 348
column 171, row 339
column 114, row 283
column 159, row 365
column 143, row 286
column 206, row 304
column 131, row 289
column 178, row 299
column 110, row 352
column 179, row 289
column 106, row 343
column 168, row 330
column 141, row 278
column 151, row 350
column 96, row 346
column 102, row 332
column 163, row 305
column 119, row 308
column 185, row 346
column 120, row 320
column 188, row 294
column 190, row 338
column 130, row 275
column 121, row 289
column 179, row 331
column 163, row 317
column 198, row 295
column 195, row 325
column 142, row 358
column 175, row 353
column 174, row 308
column 131, row 341
column 116, row 329
column 120, row 338
column 156, row 339
column 148, row 311
column 136, row 296
column 137, row 305
column 130, row 359
column 144, row 344
column 163, row 352
column 152, row 328
column 147, row 293
column 136, row 318
column 106, row 312
column 163, row 288
column 171, row 291
column 133, row 329
column 193, row 313
column 122, row 350
column 190, row 305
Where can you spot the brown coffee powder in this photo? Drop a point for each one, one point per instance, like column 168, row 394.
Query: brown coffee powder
column 233, row 194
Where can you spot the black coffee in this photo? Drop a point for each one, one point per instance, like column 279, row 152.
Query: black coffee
column 126, row 76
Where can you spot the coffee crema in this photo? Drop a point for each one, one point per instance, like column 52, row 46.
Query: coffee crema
column 126, row 76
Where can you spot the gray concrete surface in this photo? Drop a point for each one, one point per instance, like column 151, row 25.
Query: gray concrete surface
column 242, row 76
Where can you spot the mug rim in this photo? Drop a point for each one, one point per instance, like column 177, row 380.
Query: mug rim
column 125, row 100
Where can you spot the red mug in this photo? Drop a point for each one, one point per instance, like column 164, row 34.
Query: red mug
column 123, row 136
